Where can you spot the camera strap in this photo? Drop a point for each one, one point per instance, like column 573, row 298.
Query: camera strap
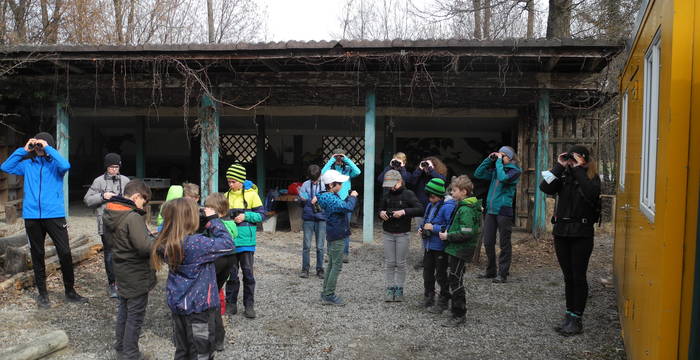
column 436, row 212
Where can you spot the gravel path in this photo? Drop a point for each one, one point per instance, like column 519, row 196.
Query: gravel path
column 504, row 321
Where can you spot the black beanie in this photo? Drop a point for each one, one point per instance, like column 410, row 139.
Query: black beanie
column 112, row 159
column 581, row 150
column 46, row 137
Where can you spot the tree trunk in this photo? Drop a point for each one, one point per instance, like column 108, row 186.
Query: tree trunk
column 50, row 25
column 487, row 20
column 559, row 19
column 19, row 12
column 614, row 25
column 129, row 35
column 210, row 20
column 477, row 19
column 530, row 18
column 3, row 23
column 118, row 17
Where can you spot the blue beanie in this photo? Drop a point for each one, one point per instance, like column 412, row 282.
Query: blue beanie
column 508, row 151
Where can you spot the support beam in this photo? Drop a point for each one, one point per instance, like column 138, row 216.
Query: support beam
column 260, row 154
column 539, row 219
column 209, row 145
column 389, row 145
column 370, row 149
column 140, row 138
column 63, row 144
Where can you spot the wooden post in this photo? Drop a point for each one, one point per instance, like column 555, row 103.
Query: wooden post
column 298, row 156
column 209, row 145
column 539, row 221
column 141, row 148
column 63, row 144
column 370, row 149
column 260, row 154
column 389, row 143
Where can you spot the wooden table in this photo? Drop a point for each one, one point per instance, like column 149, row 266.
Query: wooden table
column 294, row 209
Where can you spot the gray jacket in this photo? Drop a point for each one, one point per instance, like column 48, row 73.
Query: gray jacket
column 99, row 186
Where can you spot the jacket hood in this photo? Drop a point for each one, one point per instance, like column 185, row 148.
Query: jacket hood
column 472, row 202
column 116, row 211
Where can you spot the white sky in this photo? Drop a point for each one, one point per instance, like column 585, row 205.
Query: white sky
column 303, row 19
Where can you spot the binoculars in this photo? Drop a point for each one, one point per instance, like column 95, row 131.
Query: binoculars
column 395, row 164
column 424, row 164
column 35, row 146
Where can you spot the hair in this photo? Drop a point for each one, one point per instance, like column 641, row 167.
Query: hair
column 137, row 186
column 180, row 219
column 190, row 190
column 591, row 168
column 314, row 172
column 438, row 164
column 462, row 182
column 401, row 156
column 218, row 202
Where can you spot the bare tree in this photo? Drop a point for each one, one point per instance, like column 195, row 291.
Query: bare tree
column 559, row 19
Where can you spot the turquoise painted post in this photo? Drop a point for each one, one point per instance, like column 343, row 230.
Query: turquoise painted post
column 209, row 158
column 370, row 149
column 63, row 144
column 260, row 154
column 539, row 220
column 141, row 148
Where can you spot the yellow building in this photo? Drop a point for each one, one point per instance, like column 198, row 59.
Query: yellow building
column 656, row 238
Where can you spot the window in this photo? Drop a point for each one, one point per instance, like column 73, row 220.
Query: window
column 623, row 140
column 650, row 125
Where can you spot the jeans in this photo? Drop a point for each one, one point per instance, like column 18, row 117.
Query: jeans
column 194, row 335
column 130, row 315
column 573, row 255
column 109, row 266
column 58, row 231
column 395, row 254
column 335, row 265
column 435, row 268
column 312, row 228
column 456, row 280
column 504, row 225
column 346, row 241
column 244, row 261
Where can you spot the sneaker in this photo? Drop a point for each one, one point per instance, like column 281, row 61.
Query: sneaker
column 249, row 312
column 486, row 276
column 454, row 321
column 428, row 301
column 232, row 308
column 304, row 274
column 333, row 300
column 112, row 291
column 346, row 259
column 564, row 322
column 398, row 294
column 438, row 309
column 389, row 295
column 72, row 296
column 574, row 327
column 43, row 301
column 219, row 346
column 500, row 279
column 320, row 274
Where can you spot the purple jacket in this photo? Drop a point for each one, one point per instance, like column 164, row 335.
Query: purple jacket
column 191, row 287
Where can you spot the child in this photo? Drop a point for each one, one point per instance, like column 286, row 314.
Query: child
column 191, row 287
column 188, row 190
column 437, row 215
column 338, row 229
column 246, row 209
column 223, row 264
column 314, row 221
column 125, row 228
column 396, row 209
column 461, row 240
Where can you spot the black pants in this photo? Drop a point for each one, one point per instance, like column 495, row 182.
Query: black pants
column 57, row 229
column 109, row 266
column 194, row 335
column 573, row 255
column 435, row 268
column 243, row 261
column 130, row 315
column 456, row 280
column 504, row 226
column 223, row 267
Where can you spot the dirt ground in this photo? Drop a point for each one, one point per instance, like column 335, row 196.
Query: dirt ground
column 504, row 321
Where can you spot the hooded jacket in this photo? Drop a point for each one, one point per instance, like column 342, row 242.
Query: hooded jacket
column 419, row 179
column 401, row 199
column 307, row 192
column 125, row 227
column 439, row 220
column 43, row 182
column 336, row 210
column 504, row 179
column 94, row 196
column 191, row 286
column 348, row 168
column 248, row 202
column 464, row 229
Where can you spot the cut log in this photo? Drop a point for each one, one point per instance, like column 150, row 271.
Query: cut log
column 13, row 241
column 19, row 259
column 38, row 348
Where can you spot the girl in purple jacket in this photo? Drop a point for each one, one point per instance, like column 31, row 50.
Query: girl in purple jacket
column 192, row 292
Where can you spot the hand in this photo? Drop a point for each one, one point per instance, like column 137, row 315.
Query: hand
column 579, row 160
column 29, row 142
column 420, row 232
column 108, row 195
column 561, row 160
column 314, row 200
column 443, row 236
column 209, row 212
column 354, row 193
column 399, row 213
column 239, row 219
column 42, row 142
column 383, row 216
column 430, row 164
column 499, row 155
column 428, row 226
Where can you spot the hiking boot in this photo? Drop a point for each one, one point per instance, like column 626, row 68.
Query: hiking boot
column 486, row 276
column 43, row 301
column 438, row 308
column 112, row 291
column 320, row 274
column 500, row 279
column 333, row 300
column 304, row 274
column 346, row 259
column 454, row 321
column 219, row 346
column 249, row 312
column 574, row 327
column 389, row 296
column 232, row 308
column 428, row 301
column 398, row 294
column 564, row 322
column 73, row 297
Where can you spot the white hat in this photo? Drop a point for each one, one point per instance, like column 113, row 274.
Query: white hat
column 332, row 176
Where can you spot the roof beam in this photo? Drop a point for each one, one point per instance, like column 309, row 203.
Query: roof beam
column 271, row 64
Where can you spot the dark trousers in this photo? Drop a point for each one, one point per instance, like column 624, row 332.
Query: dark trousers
column 435, row 268
column 573, row 255
column 223, row 267
column 130, row 315
column 58, row 231
column 456, row 280
column 504, row 226
column 243, row 261
column 194, row 335
column 109, row 266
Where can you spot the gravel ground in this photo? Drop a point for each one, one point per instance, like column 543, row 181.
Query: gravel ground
column 504, row 321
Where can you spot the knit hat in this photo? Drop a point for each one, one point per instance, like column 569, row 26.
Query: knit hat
column 391, row 178
column 508, row 151
column 581, row 150
column 113, row 159
column 46, row 137
column 436, row 186
column 236, row 172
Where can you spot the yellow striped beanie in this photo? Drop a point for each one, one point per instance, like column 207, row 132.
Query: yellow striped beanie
column 236, row 172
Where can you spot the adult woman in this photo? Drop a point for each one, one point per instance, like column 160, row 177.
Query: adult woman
column 575, row 181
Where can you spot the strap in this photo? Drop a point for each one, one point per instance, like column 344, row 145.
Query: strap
column 437, row 211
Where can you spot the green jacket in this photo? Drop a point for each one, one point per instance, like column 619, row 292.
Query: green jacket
column 464, row 229
column 248, row 202
column 504, row 180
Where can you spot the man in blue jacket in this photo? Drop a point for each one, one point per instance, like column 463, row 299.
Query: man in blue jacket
column 43, row 210
column 314, row 221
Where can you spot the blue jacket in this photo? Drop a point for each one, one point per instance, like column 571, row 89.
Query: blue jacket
column 191, row 286
column 418, row 180
column 440, row 222
column 307, row 192
column 43, row 182
column 504, row 180
column 336, row 210
column 349, row 169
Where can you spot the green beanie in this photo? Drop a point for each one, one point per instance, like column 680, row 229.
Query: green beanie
column 236, row 172
column 436, row 186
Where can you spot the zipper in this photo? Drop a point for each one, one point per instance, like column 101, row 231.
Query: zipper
column 41, row 173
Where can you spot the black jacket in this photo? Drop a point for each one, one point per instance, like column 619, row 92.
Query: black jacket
column 577, row 196
column 402, row 199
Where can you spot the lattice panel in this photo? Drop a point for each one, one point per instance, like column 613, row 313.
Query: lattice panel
column 353, row 145
column 240, row 148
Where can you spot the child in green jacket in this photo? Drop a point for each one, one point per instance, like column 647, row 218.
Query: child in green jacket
column 461, row 238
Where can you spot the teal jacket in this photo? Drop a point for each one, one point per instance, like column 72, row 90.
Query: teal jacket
column 504, row 179
column 348, row 168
